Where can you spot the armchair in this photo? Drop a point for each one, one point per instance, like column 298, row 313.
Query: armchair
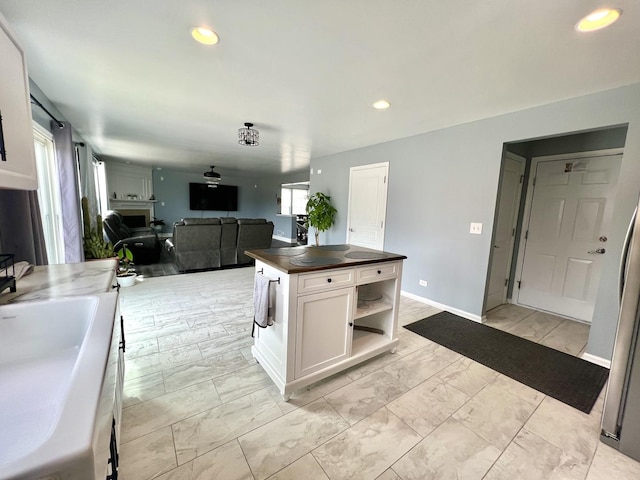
column 143, row 242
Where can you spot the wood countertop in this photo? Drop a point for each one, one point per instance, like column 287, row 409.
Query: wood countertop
column 310, row 258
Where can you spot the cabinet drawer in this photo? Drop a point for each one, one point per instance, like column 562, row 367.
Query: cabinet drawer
column 379, row 271
column 318, row 282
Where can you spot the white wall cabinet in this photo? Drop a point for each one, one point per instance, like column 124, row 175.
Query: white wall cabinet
column 327, row 321
column 18, row 161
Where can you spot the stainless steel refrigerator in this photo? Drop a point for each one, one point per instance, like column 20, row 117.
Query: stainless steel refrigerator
column 621, row 416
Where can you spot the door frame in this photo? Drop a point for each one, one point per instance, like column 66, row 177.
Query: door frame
column 526, row 217
column 386, row 198
column 515, row 221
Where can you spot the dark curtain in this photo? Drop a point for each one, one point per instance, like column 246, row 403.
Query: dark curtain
column 21, row 226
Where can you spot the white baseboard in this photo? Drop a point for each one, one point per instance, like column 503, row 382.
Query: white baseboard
column 441, row 306
column 603, row 362
column 285, row 239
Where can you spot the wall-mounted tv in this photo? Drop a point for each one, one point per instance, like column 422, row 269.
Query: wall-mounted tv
column 203, row 196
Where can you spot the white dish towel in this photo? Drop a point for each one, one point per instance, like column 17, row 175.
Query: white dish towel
column 263, row 316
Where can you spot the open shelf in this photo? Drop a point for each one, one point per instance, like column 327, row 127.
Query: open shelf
column 363, row 341
column 365, row 309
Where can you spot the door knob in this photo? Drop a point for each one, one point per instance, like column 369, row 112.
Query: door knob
column 496, row 246
column 599, row 251
column 351, row 229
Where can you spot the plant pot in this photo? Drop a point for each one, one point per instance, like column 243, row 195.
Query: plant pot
column 157, row 228
column 127, row 279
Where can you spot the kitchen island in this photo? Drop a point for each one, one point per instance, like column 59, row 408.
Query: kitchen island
column 334, row 306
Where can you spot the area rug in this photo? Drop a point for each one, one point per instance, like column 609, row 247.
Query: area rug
column 564, row 377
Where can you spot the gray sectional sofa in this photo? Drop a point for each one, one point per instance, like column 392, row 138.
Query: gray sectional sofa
column 201, row 243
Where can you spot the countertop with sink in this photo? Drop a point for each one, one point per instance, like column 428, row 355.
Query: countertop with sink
column 53, row 281
column 61, row 368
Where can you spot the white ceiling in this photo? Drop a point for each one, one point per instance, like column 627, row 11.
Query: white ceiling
column 133, row 83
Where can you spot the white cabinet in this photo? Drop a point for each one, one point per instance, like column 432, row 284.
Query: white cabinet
column 323, row 336
column 327, row 321
column 17, row 162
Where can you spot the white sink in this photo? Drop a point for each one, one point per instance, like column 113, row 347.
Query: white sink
column 53, row 356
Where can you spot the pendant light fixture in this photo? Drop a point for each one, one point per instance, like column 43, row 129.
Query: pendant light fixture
column 212, row 178
column 248, row 136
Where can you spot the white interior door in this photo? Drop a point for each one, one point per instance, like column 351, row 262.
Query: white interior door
column 367, row 205
column 567, row 234
column 504, row 230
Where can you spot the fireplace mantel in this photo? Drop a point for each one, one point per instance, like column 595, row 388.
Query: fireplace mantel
column 117, row 204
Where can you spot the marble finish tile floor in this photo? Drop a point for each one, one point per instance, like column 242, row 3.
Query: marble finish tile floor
column 198, row 407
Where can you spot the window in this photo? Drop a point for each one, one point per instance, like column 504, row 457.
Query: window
column 100, row 176
column 294, row 198
column 49, row 195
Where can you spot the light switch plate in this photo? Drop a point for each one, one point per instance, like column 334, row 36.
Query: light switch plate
column 476, row 228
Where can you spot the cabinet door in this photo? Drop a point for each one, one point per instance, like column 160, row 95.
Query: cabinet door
column 323, row 336
column 18, row 163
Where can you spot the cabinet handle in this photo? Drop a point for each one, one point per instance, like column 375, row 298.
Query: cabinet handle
column 122, row 341
column 328, row 280
column 379, row 272
column 351, row 324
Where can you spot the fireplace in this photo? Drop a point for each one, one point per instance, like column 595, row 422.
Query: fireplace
column 135, row 213
column 135, row 218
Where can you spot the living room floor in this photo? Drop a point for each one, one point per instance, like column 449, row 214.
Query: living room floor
column 198, row 407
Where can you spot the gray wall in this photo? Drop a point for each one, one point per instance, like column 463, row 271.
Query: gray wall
column 257, row 196
column 441, row 181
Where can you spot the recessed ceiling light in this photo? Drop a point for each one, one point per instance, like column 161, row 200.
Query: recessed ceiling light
column 603, row 17
column 205, row 35
column 381, row 105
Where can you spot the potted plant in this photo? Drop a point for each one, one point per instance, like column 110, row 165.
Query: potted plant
column 126, row 273
column 321, row 214
column 93, row 241
column 157, row 224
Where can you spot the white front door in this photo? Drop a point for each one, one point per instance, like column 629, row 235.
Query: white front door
column 566, row 237
column 504, row 230
column 367, row 205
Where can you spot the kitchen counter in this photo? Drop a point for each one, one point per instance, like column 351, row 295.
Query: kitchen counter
column 53, row 281
column 311, row 258
column 332, row 307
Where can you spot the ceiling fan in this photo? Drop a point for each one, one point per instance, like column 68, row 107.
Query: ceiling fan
column 211, row 177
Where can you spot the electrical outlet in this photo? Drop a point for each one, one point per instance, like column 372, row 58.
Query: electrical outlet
column 423, row 283
column 476, row 228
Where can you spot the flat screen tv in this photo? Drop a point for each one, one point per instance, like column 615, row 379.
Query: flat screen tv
column 203, row 196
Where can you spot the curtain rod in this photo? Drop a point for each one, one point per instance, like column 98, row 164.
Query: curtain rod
column 35, row 101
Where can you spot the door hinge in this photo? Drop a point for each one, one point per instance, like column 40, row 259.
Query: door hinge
column 381, row 223
column 506, row 282
column 513, row 232
column 521, row 178
column 519, row 283
column 385, row 179
column 534, row 181
column 526, row 234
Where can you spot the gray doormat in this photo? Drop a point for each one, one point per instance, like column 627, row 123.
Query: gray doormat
column 564, row 377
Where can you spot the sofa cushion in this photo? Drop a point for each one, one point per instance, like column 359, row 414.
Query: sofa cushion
column 252, row 221
column 201, row 221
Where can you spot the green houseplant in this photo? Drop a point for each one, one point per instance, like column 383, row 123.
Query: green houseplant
column 93, row 241
column 126, row 274
column 157, row 224
column 321, row 214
